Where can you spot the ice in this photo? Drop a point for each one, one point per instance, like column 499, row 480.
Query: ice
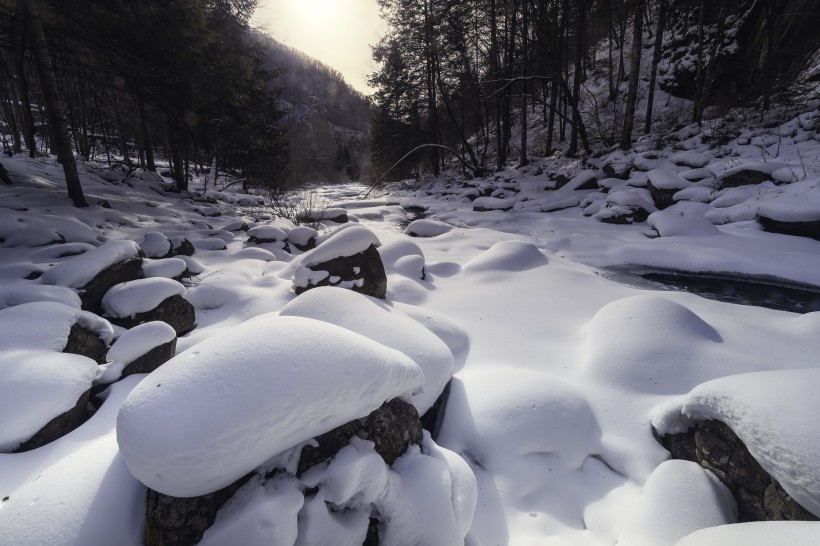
column 279, row 381
column 35, row 387
column 132, row 297
column 376, row 320
column 132, row 344
column 78, row 271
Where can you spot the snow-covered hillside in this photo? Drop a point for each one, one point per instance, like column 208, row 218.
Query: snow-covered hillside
column 567, row 365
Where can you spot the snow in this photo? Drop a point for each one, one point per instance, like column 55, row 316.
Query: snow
column 35, row 387
column 427, row 228
column 667, row 180
column 166, row 267
column 78, row 271
column 301, row 235
column 131, row 345
column 155, row 245
column 508, row 256
column 54, row 322
column 281, row 390
column 375, row 320
column 761, row 533
column 800, row 203
column 267, row 233
column 140, row 296
column 20, row 293
column 773, row 414
column 687, row 219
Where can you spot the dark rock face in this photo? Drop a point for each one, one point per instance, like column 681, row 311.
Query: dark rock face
column 92, row 293
column 151, row 360
column 393, row 428
column 636, row 215
column 174, row 521
column 86, row 343
column 434, row 417
column 59, row 426
column 184, row 248
column 618, row 170
column 715, row 447
column 175, row 311
column 310, row 245
column 366, row 266
column 662, row 197
column 743, row 178
column 800, row 229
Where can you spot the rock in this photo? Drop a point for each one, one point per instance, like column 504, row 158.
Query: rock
column 176, row 521
column 92, row 293
column 82, row 341
column 175, row 311
column 151, row 360
column 743, row 178
column 59, row 426
column 434, row 417
column 363, row 273
column 800, row 229
column 714, row 446
column 183, row 247
column 393, row 428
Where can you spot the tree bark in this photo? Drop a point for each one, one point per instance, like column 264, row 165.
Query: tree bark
column 54, row 108
column 146, row 135
column 635, row 72
column 656, row 59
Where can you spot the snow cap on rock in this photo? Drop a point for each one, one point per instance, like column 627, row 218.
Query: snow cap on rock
column 140, row 296
column 78, row 271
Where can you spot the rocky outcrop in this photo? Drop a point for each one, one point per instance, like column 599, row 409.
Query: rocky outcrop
column 82, row 341
column 175, row 311
column 714, row 446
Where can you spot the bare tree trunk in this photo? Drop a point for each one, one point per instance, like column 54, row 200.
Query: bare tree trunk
column 432, row 108
column 632, row 96
column 700, row 68
column 656, row 59
column 146, row 135
column 54, row 109
column 525, row 29
column 580, row 28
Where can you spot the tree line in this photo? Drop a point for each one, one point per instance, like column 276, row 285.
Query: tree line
column 466, row 74
column 140, row 82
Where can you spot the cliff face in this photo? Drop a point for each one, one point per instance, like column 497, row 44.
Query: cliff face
column 759, row 46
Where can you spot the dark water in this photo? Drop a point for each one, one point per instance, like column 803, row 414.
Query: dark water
column 413, row 213
column 768, row 292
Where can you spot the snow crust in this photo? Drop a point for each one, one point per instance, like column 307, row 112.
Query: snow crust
column 132, row 297
column 284, row 380
column 78, row 271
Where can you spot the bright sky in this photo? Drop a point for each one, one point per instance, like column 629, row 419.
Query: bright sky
column 337, row 32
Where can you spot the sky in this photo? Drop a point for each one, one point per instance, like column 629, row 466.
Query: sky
column 337, row 32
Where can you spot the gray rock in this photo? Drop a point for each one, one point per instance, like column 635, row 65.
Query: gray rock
column 175, row 311
column 799, row 229
column 151, row 360
column 86, row 343
column 714, row 446
column 743, row 177
column 92, row 293
column 663, row 197
column 366, row 266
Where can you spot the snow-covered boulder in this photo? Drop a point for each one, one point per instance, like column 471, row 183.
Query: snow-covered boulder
column 142, row 349
column 663, row 185
column 303, row 238
column 330, row 214
column 795, row 212
column 380, row 323
column 266, row 234
column 683, row 219
column 18, row 293
column 485, row 204
column 169, row 268
column 43, row 396
column 146, row 300
column 405, row 257
column 93, row 273
column 751, row 173
column 156, row 245
column 691, row 159
column 58, row 328
column 217, row 411
column 507, row 256
column 347, row 259
column 427, row 228
column 773, row 415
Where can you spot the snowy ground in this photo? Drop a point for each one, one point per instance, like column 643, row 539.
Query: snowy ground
column 560, row 372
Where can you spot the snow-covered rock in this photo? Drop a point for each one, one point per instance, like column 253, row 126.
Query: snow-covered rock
column 427, row 228
column 78, row 271
column 683, row 219
column 507, row 256
column 759, row 533
column 135, row 351
column 140, row 296
column 279, row 381
column 155, row 245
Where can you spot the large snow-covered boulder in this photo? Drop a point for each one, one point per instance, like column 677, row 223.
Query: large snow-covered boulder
column 683, row 219
column 380, row 323
column 42, row 396
column 141, row 349
column 795, row 212
column 347, row 259
column 773, row 414
column 156, row 245
column 663, row 184
column 751, row 173
column 92, row 274
column 217, row 411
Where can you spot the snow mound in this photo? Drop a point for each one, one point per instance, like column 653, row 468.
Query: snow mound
column 267, row 233
column 54, row 321
column 132, row 297
column 667, row 180
column 35, row 387
column 78, row 271
column 800, row 203
column 690, row 158
column 759, row 533
column 301, row 235
column 20, row 293
column 241, row 397
column 774, row 415
column 678, row 498
column 686, row 219
column 427, row 228
column 375, row 320
column 491, row 417
column 132, row 344
column 168, row 268
column 507, row 256
column 648, row 343
column 341, row 243
column 87, row 498
column 397, row 251
column 155, row 245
